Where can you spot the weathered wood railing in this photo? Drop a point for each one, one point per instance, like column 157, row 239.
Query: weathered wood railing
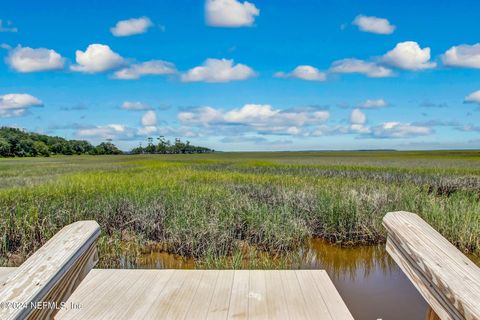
column 37, row 288
column 447, row 279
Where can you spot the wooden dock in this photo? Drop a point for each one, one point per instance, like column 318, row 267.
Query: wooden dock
column 57, row 282
column 206, row 294
column 203, row 294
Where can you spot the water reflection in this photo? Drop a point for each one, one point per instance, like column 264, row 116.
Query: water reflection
column 345, row 262
column 369, row 281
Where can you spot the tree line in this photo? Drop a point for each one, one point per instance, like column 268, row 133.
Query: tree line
column 164, row 146
column 18, row 143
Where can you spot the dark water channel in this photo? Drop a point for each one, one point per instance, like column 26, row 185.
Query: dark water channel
column 369, row 281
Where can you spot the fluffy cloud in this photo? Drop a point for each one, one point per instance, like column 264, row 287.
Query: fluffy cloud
column 7, row 28
column 132, row 26
column 473, row 97
column 374, row 24
column 370, row 69
column 149, row 118
column 373, row 103
column 134, row 105
column 202, row 116
column 16, row 104
column 466, row 56
column 409, row 56
column 215, row 70
column 263, row 119
column 25, row 59
column 166, row 131
column 97, row 58
column 109, row 131
column 357, row 117
column 304, row 72
column 251, row 113
column 256, row 140
column 399, row 130
column 125, row 133
column 153, row 67
column 230, row 13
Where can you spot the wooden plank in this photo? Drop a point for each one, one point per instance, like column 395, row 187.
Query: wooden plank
column 446, row 278
column 293, row 293
column 221, row 295
column 202, row 294
column 149, row 293
column 257, row 295
column 118, row 294
column 181, row 302
column 5, row 271
column 203, row 297
column 100, row 302
column 276, row 301
column 430, row 294
column 238, row 308
column 98, row 283
column 51, row 273
column 317, row 308
column 169, row 293
column 333, row 300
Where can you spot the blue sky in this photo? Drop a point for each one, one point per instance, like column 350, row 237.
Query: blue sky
column 235, row 75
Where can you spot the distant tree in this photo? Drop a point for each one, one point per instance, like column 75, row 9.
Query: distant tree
column 5, row 148
column 19, row 143
column 41, row 149
column 150, row 148
column 56, row 148
column 137, row 150
column 165, row 147
column 162, row 145
column 107, row 148
column 67, row 149
column 81, row 147
column 26, row 148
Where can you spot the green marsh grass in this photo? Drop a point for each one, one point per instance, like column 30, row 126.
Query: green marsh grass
column 211, row 207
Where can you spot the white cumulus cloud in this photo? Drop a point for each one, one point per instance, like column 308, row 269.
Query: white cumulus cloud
column 374, row 24
column 358, row 117
column 304, row 72
column 230, row 13
column 25, row 59
column 370, row 69
column 16, row 104
column 399, row 130
column 97, row 58
column 134, row 105
column 149, row 118
column 409, row 56
column 132, row 26
column 259, row 118
column 109, row 131
column 473, row 97
column 216, row 70
column 202, row 116
column 466, row 56
column 153, row 67
column 373, row 103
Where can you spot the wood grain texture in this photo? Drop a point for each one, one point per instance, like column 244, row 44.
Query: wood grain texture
column 206, row 294
column 447, row 279
column 51, row 274
column 5, row 271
